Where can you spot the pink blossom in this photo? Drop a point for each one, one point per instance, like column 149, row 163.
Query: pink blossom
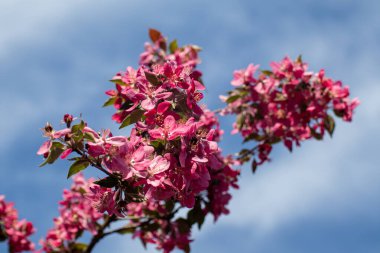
column 245, row 75
column 288, row 104
column 157, row 166
column 171, row 157
column 76, row 215
column 130, row 159
column 103, row 200
column 169, row 131
column 16, row 231
column 45, row 148
column 66, row 153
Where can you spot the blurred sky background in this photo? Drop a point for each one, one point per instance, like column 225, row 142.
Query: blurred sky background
column 56, row 57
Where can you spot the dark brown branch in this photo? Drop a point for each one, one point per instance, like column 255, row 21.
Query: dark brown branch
column 93, row 164
column 100, row 233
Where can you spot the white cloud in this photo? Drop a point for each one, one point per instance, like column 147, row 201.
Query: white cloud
column 22, row 21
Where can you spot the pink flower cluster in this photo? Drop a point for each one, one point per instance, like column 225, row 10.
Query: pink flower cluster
column 156, row 93
column 76, row 216
column 171, row 154
column 288, row 104
column 15, row 231
column 167, row 236
column 168, row 174
column 172, row 151
column 156, row 52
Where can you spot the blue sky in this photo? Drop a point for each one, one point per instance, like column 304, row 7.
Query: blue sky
column 56, row 57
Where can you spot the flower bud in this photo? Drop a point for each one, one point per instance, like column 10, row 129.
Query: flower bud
column 68, row 118
column 48, row 128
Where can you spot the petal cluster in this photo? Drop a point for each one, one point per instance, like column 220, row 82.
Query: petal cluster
column 287, row 104
column 14, row 230
column 76, row 215
column 170, row 158
column 168, row 173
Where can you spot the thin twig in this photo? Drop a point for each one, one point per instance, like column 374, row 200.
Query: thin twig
column 93, row 164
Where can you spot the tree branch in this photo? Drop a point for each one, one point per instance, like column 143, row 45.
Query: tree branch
column 93, row 164
column 95, row 239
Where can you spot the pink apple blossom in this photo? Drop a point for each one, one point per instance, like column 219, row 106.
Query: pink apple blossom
column 287, row 104
column 16, row 231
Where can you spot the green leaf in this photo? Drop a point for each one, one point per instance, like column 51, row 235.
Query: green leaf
column 74, row 158
column 169, row 205
column 244, row 151
column 151, row 213
column 126, row 230
column 126, row 105
column 157, row 143
column 78, row 136
column 274, row 140
column 339, row 113
column 196, row 215
column 329, row 124
column 183, row 225
column 303, row 85
column 107, row 182
column 232, row 98
column 132, row 118
column 201, row 220
column 3, row 237
column 151, row 227
column 299, row 58
column 254, row 136
column 79, row 247
column 78, row 127
column 55, row 151
column 83, row 192
column 77, row 166
column 186, row 248
column 119, row 82
column 79, row 233
column 254, row 166
column 267, row 72
column 3, row 234
column 152, row 78
column 240, row 121
column 154, row 35
column 316, row 135
column 173, row 46
column 109, row 102
column 89, row 136
column 143, row 242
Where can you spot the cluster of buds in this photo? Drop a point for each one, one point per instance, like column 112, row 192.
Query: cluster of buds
column 14, row 230
column 170, row 160
column 287, row 104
